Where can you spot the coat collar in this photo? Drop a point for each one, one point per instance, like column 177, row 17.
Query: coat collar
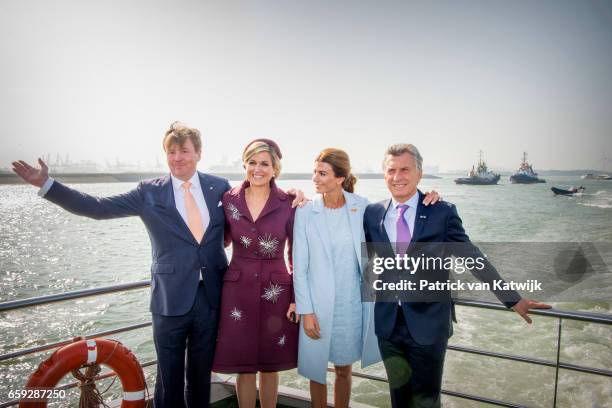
column 355, row 221
column 207, row 187
column 355, row 216
column 238, row 199
column 177, row 184
column 381, row 222
column 318, row 205
column 177, row 224
column 208, row 190
column 420, row 219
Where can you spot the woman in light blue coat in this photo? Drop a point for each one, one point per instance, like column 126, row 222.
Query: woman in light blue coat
column 336, row 326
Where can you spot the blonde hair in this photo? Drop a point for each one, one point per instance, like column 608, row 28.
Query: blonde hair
column 178, row 134
column 258, row 147
column 341, row 165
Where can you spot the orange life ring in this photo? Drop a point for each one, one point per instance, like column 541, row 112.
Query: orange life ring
column 100, row 351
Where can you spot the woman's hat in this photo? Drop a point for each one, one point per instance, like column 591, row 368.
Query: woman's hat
column 270, row 143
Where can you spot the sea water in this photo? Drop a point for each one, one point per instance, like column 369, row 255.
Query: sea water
column 45, row 250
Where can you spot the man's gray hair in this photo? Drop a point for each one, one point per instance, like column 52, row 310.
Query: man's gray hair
column 402, row 148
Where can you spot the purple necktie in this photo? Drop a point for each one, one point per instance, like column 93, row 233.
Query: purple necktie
column 403, row 230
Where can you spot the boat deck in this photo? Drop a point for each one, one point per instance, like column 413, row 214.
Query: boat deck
column 223, row 387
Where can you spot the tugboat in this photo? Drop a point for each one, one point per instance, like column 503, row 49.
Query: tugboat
column 525, row 174
column 481, row 176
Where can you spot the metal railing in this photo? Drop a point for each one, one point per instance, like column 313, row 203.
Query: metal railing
column 561, row 315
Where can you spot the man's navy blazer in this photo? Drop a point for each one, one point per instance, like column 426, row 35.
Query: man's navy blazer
column 178, row 259
column 428, row 322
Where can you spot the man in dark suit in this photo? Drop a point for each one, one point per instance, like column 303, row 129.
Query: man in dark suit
column 185, row 222
column 412, row 336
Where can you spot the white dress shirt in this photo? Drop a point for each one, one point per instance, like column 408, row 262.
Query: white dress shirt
column 198, row 195
column 45, row 187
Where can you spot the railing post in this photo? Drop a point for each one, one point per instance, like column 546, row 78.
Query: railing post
column 557, row 365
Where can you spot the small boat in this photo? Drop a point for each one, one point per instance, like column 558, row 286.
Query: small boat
column 571, row 191
column 600, row 176
column 481, row 176
column 591, row 176
column 525, row 174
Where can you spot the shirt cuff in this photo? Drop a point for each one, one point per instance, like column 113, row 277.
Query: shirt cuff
column 511, row 304
column 46, row 187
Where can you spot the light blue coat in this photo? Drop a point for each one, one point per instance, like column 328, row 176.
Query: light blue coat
column 313, row 282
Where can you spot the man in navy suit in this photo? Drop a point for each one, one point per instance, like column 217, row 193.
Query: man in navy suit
column 185, row 222
column 412, row 336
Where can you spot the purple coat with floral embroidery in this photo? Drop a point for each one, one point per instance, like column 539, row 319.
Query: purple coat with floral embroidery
column 254, row 333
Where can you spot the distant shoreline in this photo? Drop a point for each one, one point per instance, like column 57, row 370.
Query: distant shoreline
column 7, row 177
column 10, row 178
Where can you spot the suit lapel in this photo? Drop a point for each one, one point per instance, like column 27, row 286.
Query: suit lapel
column 381, row 221
column 169, row 206
column 321, row 225
column 420, row 219
column 390, row 250
column 208, row 190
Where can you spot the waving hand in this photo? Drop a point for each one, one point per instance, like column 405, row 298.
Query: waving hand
column 32, row 175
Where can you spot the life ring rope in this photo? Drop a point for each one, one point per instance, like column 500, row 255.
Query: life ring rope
column 91, row 353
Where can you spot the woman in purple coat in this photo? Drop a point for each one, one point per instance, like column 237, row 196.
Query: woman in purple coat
column 256, row 333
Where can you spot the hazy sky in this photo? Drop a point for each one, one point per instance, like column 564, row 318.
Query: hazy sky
column 103, row 80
